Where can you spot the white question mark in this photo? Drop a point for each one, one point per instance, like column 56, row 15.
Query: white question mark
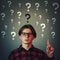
column 19, row 14
column 54, row 20
column 13, row 35
column 19, row 23
column 56, row 5
column 3, row 6
column 3, row 15
column 35, row 14
column 42, row 35
column 19, row 4
column 28, row 6
column 12, row 20
column 47, row 20
column 37, row 5
column 40, row 16
column 46, row 10
column 12, row 11
column 9, row 2
column 43, row 26
column 37, row 23
column 13, row 27
column 46, row 2
column 6, row 27
column 3, row 33
column 53, row 34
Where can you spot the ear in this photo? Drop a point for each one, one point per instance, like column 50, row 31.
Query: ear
column 33, row 38
column 20, row 37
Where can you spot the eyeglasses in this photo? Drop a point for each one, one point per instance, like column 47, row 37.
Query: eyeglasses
column 28, row 34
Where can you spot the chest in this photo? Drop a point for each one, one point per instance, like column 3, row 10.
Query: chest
column 27, row 55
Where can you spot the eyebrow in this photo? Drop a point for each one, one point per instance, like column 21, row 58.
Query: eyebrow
column 27, row 33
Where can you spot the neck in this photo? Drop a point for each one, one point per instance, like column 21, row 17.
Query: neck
column 26, row 46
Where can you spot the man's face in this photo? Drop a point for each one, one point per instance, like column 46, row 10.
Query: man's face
column 26, row 36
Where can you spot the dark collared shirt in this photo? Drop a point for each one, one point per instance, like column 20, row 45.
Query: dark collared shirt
column 32, row 54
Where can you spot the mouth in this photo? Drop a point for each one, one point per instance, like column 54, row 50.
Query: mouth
column 26, row 39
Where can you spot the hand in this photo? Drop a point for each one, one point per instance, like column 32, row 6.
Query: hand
column 49, row 49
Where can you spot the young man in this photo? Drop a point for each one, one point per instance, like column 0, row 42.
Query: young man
column 27, row 51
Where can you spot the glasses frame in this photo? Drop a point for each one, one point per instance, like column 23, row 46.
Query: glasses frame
column 26, row 34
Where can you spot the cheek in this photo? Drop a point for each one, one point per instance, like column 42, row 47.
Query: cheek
column 22, row 38
column 32, row 38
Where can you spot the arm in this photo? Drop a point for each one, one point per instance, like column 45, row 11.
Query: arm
column 50, row 50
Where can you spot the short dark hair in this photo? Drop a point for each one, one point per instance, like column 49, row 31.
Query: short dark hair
column 29, row 27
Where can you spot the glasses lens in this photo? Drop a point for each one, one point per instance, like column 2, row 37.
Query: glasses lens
column 24, row 34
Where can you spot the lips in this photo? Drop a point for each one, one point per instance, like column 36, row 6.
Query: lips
column 26, row 39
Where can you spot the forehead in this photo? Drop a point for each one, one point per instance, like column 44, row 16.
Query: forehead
column 26, row 30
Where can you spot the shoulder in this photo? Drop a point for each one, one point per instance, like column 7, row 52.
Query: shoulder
column 13, row 54
column 14, row 51
column 38, row 50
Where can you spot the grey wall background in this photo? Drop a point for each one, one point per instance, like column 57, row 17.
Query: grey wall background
column 9, row 22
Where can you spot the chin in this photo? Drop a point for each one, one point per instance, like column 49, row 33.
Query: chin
column 27, row 42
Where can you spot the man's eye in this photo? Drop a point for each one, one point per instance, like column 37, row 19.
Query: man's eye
column 24, row 33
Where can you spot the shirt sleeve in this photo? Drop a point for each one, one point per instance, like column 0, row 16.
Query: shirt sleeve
column 47, row 58
column 10, row 57
column 51, row 58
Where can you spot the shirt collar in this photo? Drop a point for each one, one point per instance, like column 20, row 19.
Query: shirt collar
column 22, row 49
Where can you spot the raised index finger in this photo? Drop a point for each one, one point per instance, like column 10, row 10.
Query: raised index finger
column 48, row 42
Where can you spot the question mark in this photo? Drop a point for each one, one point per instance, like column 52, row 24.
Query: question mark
column 35, row 14
column 42, row 35
column 28, row 17
column 9, row 2
column 13, row 35
column 51, row 27
column 3, row 6
column 43, row 26
column 54, row 20
column 56, row 5
column 53, row 34
column 6, row 27
column 28, row 6
column 3, row 15
column 19, row 4
column 37, row 23
column 19, row 23
column 3, row 33
column 37, row 5
column 46, row 10
column 46, row 2
column 13, row 27
column 47, row 20
column 19, row 14
column 12, row 20
column 12, row 11
column 40, row 16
